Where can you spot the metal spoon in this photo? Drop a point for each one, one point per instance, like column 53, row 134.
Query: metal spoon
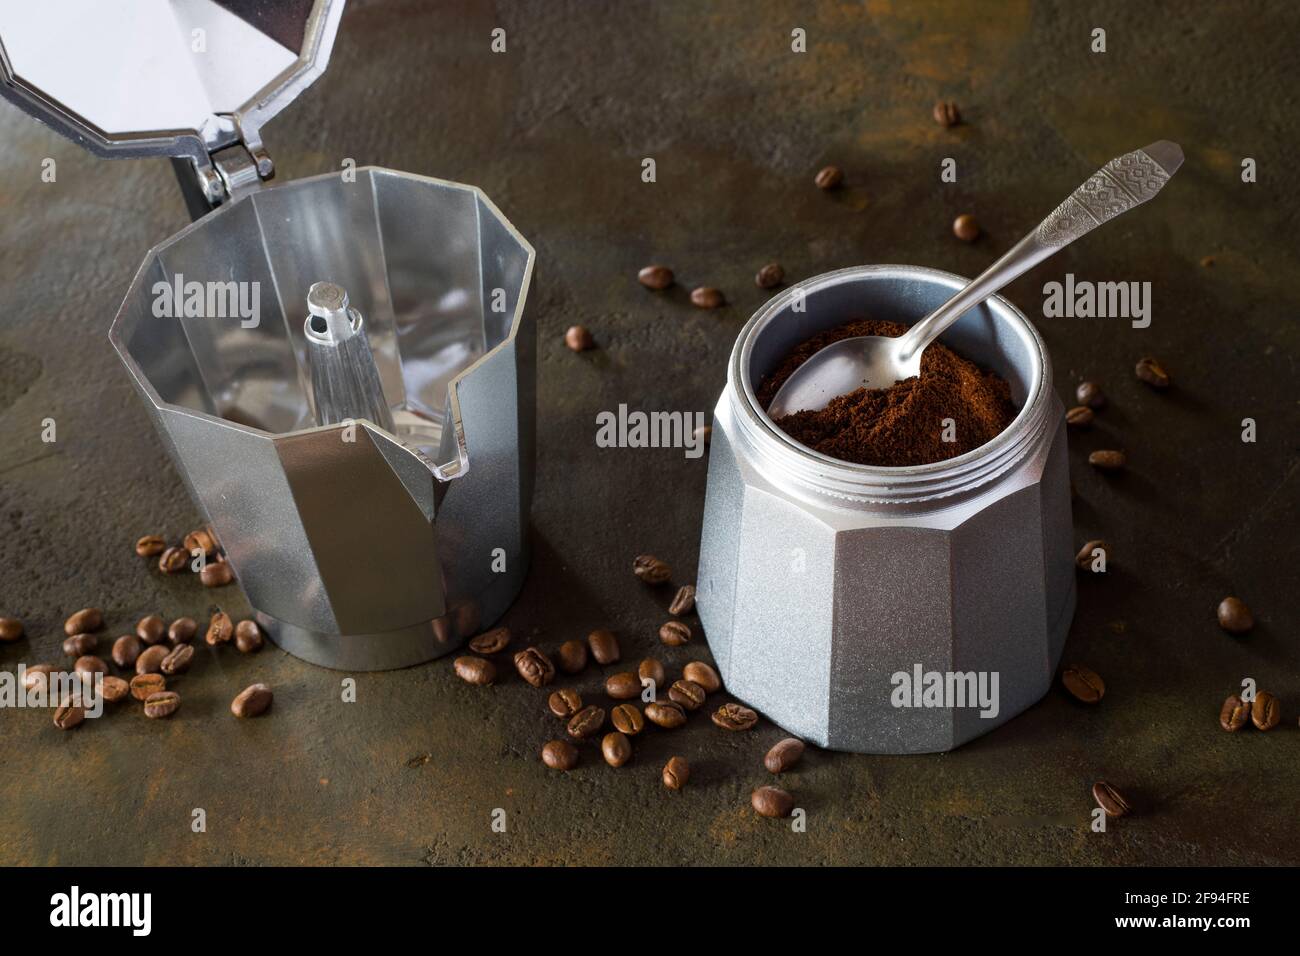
column 874, row 361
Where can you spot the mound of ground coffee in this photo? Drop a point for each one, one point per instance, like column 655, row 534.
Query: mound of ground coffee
column 902, row 424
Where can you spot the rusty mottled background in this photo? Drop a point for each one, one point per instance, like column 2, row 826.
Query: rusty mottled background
column 554, row 130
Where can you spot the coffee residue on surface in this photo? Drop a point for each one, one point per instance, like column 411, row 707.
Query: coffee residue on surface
column 903, row 424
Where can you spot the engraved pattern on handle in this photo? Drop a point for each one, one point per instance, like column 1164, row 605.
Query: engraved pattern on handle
column 1117, row 187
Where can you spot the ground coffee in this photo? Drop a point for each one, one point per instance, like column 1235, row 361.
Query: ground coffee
column 902, row 424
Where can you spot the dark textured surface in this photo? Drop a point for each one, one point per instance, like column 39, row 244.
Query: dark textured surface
column 554, row 131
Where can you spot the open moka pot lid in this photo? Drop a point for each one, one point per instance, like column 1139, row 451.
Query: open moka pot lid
column 340, row 366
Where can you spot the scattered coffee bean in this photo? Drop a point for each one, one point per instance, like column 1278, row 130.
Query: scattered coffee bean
column 650, row 569
column 216, row 574
column 1265, row 711
column 573, row 656
column 162, row 704
column 667, row 714
column 1090, row 394
column 965, row 228
column 38, row 675
column 220, row 629
column 704, row 433
column 604, row 646
column 1235, row 616
column 674, row 633
column 1153, row 373
column 616, row 749
column 201, row 540
column 248, row 637
column 178, row 660
column 152, row 629
column 78, row 645
column 1109, row 799
column 651, row 669
column 1234, row 714
column 1080, row 416
column 771, row 802
column 946, row 113
column 676, row 772
column 182, row 630
column 1108, row 459
column 11, row 629
column 151, row 658
column 734, row 716
column 150, row 546
column 144, row 686
column 579, row 338
column 627, row 719
column 623, row 686
column 68, row 716
column 115, row 689
column 586, row 722
column 84, row 621
column 1083, row 560
column 683, row 601
column 475, row 670
column 126, row 649
column 707, row 297
column 534, row 667
column 784, row 755
column 770, row 276
column 1084, row 684
column 704, row 675
column 252, row 701
column 89, row 664
column 564, row 703
column 560, row 755
column 173, row 560
column 655, row 277
column 829, row 177
column 687, row 693
column 495, row 641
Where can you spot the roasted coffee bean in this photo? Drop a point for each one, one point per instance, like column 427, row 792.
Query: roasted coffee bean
column 784, row 755
column 616, row 749
column 674, row 633
column 85, row 621
column 68, row 716
column 573, row 656
column 946, row 113
column 144, row 686
column 829, row 177
column 1108, row 459
column 651, row 669
column 676, row 772
column 560, row 755
column 178, row 659
column 650, row 569
column 1080, row 416
column 627, row 719
column 220, row 629
column 564, row 703
column 704, row 675
column 1153, row 373
column 89, row 664
column 1109, row 799
column 734, row 716
column 216, row 574
column 201, row 540
column 707, row 297
column 623, row 686
column 151, row 545
column 126, row 649
column 151, row 658
column 78, row 645
column 1084, row 684
column 770, row 276
column 667, row 714
column 604, row 646
column 162, row 704
column 1234, row 616
column 115, row 689
column 182, row 630
column 683, row 601
column 252, row 701
column 1234, row 714
column 578, row 338
column 771, row 802
column 704, row 433
column 173, row 560
column 248, row 637
column 1265, row 711
column 38, row 675
column 493, row 641
column 965, row 228
column 687, row 693
column 1083, row 560
column 655, row 277
column 1089, row 394
column 586, row 722
column 11, row 629
column 152, row 629
column 475, row 670
column 534, row 667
